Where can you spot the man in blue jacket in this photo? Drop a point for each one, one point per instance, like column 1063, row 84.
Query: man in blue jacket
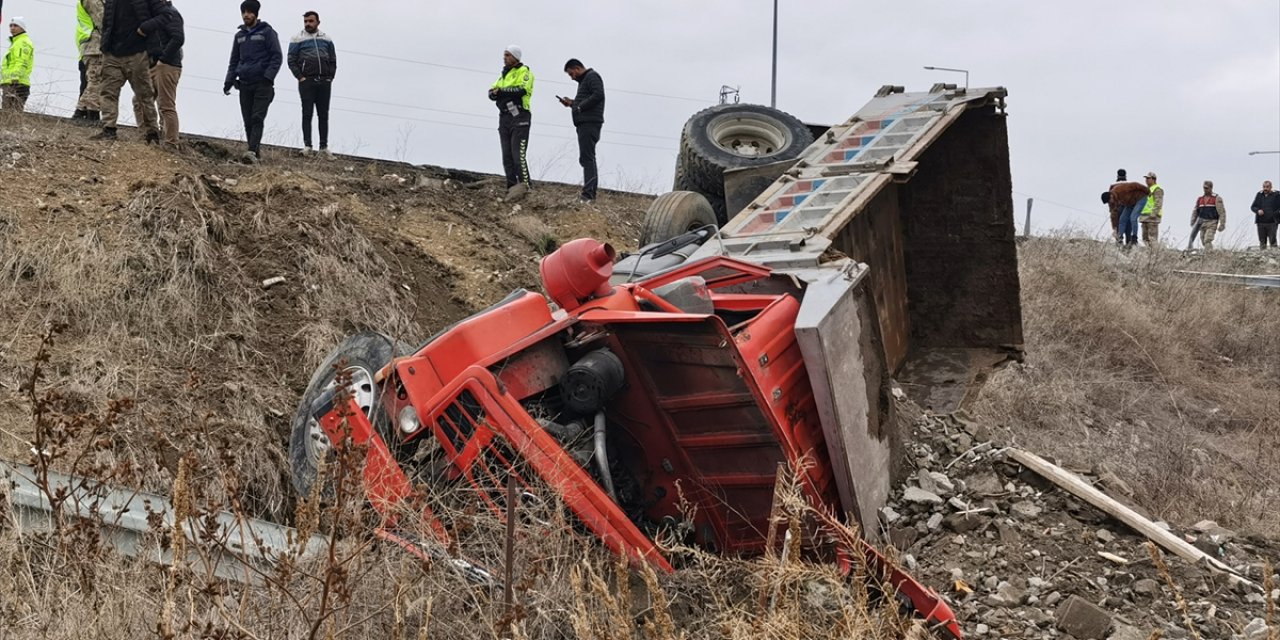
column 313, row 60
column 255, row 60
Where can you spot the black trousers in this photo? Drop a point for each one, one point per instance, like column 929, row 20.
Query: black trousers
column 315, row 95
column 1267, row 234
column 514, row 131
column 84, row 78
column 588, row 138
column 255, row 100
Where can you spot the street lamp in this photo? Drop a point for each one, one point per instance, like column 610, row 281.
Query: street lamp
column 1261, row 153
column 773, row 91
column 964, row 71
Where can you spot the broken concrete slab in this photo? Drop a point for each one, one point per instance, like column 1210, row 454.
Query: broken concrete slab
column 920, row 496
column 1083, row 619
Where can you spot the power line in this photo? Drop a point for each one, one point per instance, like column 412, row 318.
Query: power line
column 437, row 65
column 1064, row 206
column 399, row 105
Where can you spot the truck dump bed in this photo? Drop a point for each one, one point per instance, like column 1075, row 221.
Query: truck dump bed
column 917, row 186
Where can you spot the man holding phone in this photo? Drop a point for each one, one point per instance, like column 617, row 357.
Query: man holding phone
column 588, row 119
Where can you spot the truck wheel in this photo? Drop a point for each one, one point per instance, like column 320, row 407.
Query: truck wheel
column 673, row 214
column 362, row 355
column 733, row 136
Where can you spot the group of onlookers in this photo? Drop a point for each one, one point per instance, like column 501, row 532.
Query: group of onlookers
column 140, row 42
column 1135, row 205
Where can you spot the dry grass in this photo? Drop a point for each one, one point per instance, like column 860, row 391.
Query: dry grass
column 1168, row 381
column 164, row 306
column 66, row 583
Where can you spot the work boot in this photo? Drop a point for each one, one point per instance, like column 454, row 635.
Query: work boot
column 153, row 137
column 94, row 116
column 517, row 192
column 107, row 134
column 80, row 114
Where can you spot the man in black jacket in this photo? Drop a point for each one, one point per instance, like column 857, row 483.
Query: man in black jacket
column 124, row 59
column 1266, row 211
column 165, row 36
column 588, row 118
column 256, row 58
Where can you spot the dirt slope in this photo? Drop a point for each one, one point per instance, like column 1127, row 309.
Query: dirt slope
column 154, row 261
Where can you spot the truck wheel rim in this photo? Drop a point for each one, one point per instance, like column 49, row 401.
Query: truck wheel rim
column 749, row 137
column 362, row 391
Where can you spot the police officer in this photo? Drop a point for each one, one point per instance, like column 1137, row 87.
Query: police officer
column 19, row 61
column 513, row 94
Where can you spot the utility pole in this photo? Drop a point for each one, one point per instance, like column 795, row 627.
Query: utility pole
column 773, row 93
column 1026, row 229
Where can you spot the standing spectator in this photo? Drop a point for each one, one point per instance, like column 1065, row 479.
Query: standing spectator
column 89, row 39
column 1266, row 209
column 1113, row 207
column 165, row 36
column 124, row 59
column 513, row 93
column 1129, row 198
column 19, row 61
column 1152, row 212
column 255, row 60
column 588, row 118
column 313, row 60
column 1208, row 218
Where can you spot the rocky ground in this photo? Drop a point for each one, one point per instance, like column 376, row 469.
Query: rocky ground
column 1020, row 558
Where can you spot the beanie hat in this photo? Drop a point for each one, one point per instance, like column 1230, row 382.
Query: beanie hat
column 20, row 21
column 515, row 51
column 250, row 6
column 1121, row 175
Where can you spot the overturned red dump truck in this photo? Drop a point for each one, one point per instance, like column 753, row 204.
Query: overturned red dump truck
column 686, row 374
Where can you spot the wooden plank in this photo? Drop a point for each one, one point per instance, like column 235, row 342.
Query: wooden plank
column 1076, row 485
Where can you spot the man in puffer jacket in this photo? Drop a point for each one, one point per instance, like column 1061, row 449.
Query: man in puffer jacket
column 125, row 59
column 19, row 61
column 313, row 60
column 256, row 58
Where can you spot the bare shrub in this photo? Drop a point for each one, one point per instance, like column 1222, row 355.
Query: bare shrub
column 1168, row 380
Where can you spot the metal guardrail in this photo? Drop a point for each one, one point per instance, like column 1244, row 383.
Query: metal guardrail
column 1265, row 282
column 243, row 549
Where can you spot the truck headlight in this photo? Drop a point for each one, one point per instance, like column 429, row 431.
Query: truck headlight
column 409, row 421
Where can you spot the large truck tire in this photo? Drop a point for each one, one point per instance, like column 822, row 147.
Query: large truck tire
column 364, row 354
column 734, row 136
column 673, row 214
column 683, row 183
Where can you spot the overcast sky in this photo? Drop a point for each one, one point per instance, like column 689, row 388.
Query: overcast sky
column 1185, row 88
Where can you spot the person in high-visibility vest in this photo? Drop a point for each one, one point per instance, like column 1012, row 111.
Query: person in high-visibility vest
column 19, row 62
column 513, row 94
column 1152, row 212
column 89, row 42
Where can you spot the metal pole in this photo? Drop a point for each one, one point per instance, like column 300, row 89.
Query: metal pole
column 1026, row 230
column 1262, row 153
column 773, row 93
column 508, row 595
